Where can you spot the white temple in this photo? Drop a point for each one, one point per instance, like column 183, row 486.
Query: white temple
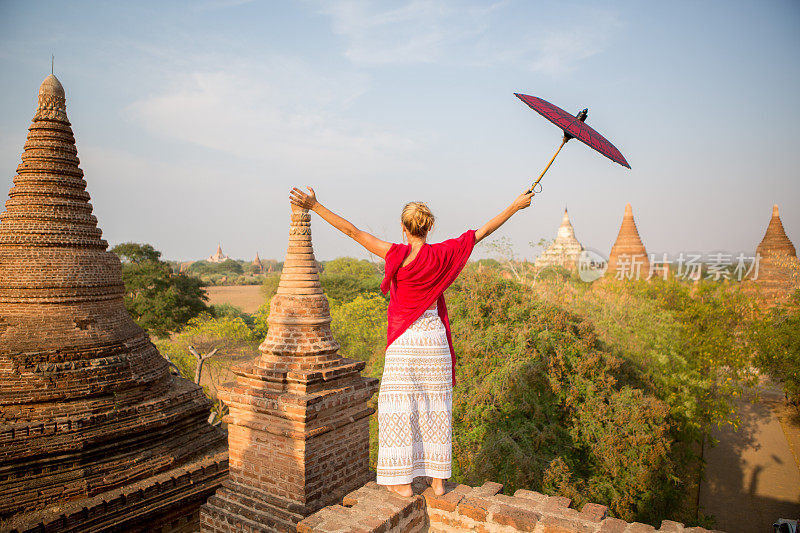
column 565, row 250
column 218, row 257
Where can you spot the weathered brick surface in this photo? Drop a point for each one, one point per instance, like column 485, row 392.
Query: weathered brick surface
column 475, row 507
column 638, row 527
column 519, row 519
column 594, row 512
column 555, row 503
column 298, row 428
column 446, row 502
column 464, row 508
column 613, row 525
column 490, row 488
column 94, row 430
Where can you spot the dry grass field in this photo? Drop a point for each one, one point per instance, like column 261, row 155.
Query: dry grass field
column 246, row 297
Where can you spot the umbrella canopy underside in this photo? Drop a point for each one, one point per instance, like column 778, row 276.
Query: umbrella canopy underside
column 575, row 127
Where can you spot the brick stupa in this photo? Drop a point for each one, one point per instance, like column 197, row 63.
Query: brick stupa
column 778, row 267
column 628, row 258
column 95, row 433
column 565, row 250
column 299, row 420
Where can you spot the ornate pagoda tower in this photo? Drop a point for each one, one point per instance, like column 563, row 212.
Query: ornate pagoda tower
column 95, row 432
column 298, row 428
column 218, row 256
column 565, row 249
column 257, row 263
column 628, row 255
column 778, row 266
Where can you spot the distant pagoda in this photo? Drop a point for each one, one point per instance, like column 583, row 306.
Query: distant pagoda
column 95, row 433
column 565, row 249
column 628, row 258
column 257, row 264
column 778, row 266
column 298, row 427
column 218, row 256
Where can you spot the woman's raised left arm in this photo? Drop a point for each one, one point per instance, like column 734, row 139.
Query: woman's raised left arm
column 367, row 240
column 521, row 202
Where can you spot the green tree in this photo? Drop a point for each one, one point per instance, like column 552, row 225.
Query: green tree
column 712, row 364
column 229, row 267
column 161, row 302
column 270, row 285
column 207, row 347
column 231, row 311
column 360, row 328
column 777, row 340
column 345, row 278
column 260, row 320
column 541, row 403
column 229, row 335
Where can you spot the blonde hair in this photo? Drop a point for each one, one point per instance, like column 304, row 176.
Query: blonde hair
column 417, row 218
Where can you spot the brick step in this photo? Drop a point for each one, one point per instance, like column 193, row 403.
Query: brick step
column 268, row 517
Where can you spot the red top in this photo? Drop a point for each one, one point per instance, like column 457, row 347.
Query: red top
column 414, row 287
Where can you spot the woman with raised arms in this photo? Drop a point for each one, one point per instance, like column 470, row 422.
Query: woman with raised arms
column 416, row 393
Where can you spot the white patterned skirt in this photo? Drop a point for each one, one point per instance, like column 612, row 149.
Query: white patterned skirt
column 415, row 405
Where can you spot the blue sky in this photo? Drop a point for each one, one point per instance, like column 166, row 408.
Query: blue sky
column 193, row 119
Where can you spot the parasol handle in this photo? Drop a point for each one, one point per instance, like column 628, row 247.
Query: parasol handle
column 563, row 142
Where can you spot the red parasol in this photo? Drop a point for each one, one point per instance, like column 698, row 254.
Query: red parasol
column 573, row 126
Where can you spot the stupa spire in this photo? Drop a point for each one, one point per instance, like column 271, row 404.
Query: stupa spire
column 298, row 429
column 48, row 204
column 628, row 256
column 219, row 256
column 73, row 361
column 565, row 249
column 775, row 241
column 778, row 271
column 299, row 319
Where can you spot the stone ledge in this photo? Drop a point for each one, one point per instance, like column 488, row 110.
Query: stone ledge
column 373, row 509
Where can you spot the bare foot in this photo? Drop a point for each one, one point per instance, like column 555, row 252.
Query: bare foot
column 402, row 490
column 438, row 486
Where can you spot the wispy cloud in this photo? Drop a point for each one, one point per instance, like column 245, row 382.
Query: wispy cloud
column 561, row 49
column 415, row 32
column 219, row 4
column 280, row 111
column 478, row 34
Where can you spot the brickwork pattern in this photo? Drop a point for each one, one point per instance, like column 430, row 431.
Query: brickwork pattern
column 628, row 248
column 299, row 421
column 373, row 509
column 94, row 430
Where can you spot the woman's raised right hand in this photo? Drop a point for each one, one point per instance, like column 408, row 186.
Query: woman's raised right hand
column 303, row 200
